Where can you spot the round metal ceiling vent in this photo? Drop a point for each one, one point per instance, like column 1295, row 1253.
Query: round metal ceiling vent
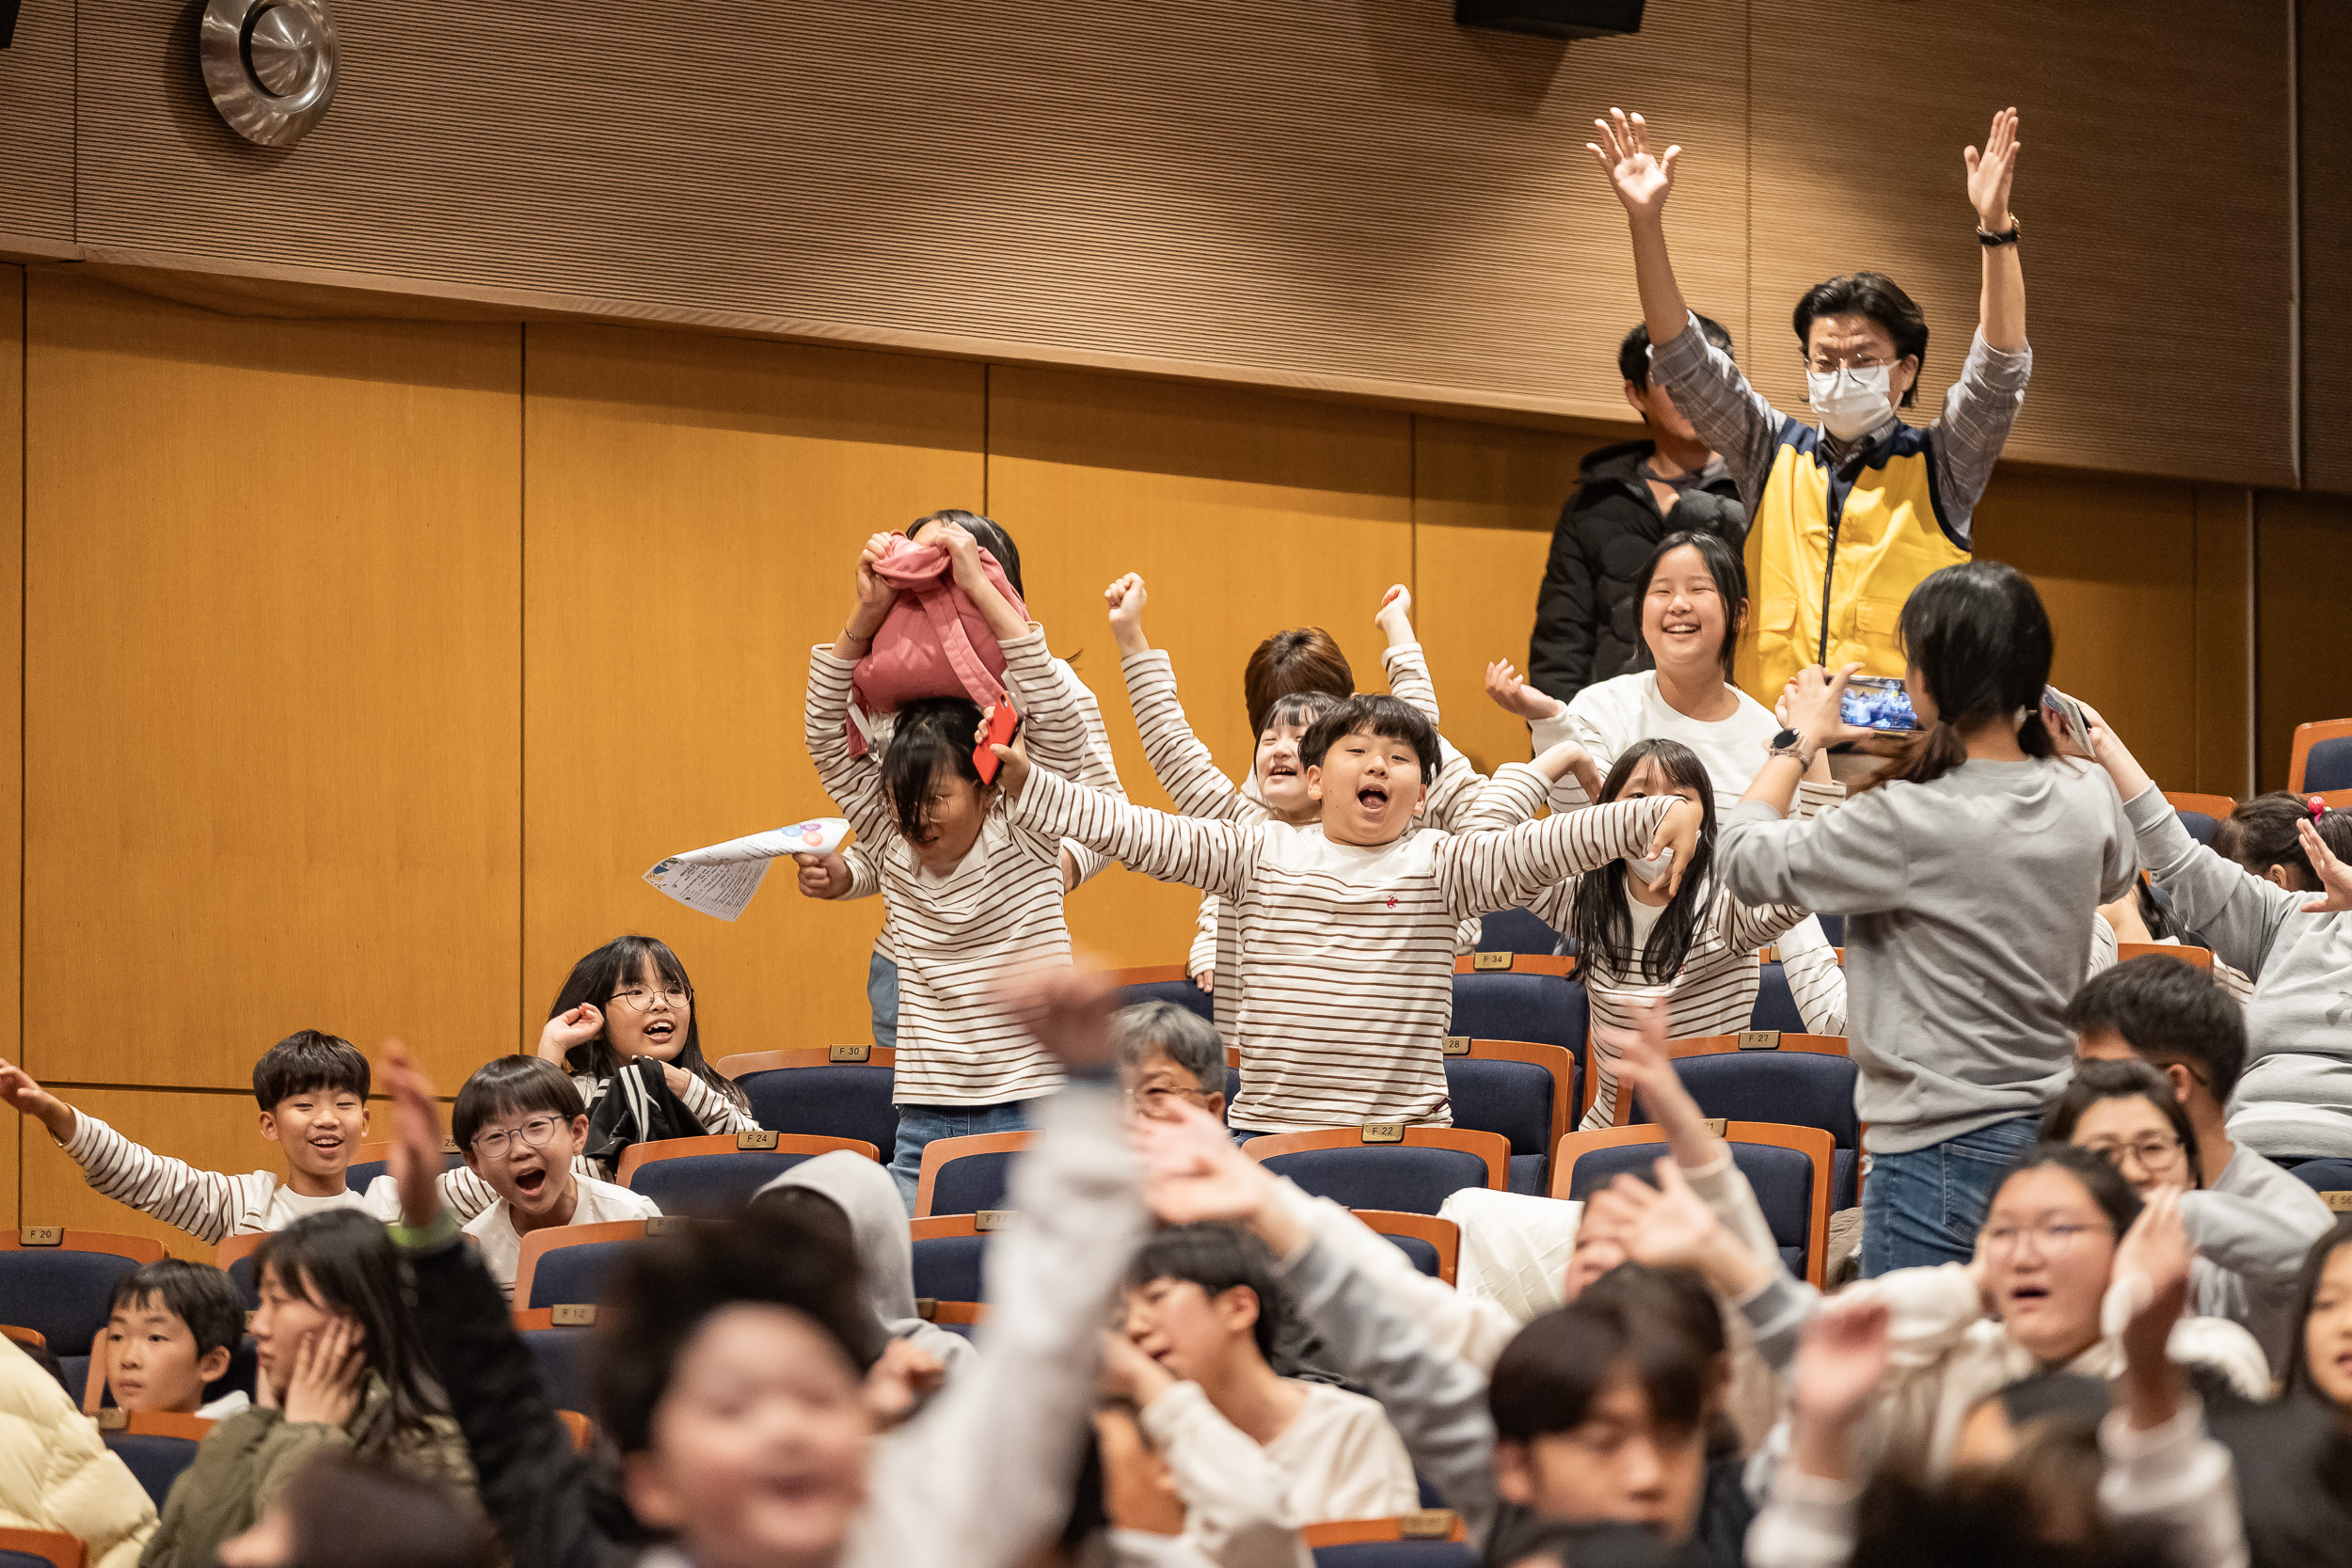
column 269, row 65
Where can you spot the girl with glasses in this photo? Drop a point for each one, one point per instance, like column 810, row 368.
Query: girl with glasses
column 2250, row 1260
column 631, row 1001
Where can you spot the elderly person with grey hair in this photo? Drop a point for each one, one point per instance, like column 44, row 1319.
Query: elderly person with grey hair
column 1169, row 1055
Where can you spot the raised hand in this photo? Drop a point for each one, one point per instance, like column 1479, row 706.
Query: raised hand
column 2147, row 1291
column 1068, row 1011
column 1813, row 706
column 874, row 595
column 1129, row 1374
column 1642, row 181
column 577, row 1026
column 1840, row 1361
column 1126, row 599
column 824, row 876
column 1991, row 172
column 901, row 1379
column 29, row 1099
column 1565, row 757
column 1646, row 1066
column 324, row 1386
column 1012, row 758
column 1192, row 1172
column 1514, row 695
column 415, row 1157
column 1395, row 615
column 2335, row 876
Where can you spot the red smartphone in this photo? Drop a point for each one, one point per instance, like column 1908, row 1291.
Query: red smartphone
column 1003, row 724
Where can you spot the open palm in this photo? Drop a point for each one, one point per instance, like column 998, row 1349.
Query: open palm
column 1991, row 170
column 1641, row 177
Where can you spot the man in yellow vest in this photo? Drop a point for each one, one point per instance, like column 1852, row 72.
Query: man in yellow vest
column 1844, row 515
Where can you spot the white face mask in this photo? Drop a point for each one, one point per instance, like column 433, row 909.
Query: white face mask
column 1649, row 871
column 1852, row 402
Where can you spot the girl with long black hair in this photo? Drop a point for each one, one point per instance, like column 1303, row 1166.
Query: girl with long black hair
column 630, row 1000
column 1970, row 876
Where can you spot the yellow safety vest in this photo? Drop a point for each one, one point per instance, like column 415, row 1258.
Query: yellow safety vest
column 1830, row 563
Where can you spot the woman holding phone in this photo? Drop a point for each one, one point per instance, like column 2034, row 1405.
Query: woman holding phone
column 1969, row 879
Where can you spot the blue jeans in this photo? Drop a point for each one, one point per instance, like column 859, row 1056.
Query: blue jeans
column 1926, row 1207
column 882, row 996
column 919, row 1124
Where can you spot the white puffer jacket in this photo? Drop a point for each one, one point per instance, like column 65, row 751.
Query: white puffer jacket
column 55, row 1472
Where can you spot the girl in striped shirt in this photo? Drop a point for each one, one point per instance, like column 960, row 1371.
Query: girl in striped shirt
column 1694, row 948
column 1350, row 923
column 968, row 895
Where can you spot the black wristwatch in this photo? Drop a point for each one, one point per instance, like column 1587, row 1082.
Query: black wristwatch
column 2007, row 236
column 1789, row 743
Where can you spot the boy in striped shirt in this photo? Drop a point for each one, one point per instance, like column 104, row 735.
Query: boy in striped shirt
column 1346, row 926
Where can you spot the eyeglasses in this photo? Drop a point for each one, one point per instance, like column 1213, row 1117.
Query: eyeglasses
column 641, row 1001
column 2153, row 1152
column 1824, row 365
column 1154, row 1099
column 2053, row 1236
column 534, row 1134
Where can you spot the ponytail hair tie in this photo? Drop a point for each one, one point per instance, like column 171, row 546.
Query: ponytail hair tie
column 2317, row 807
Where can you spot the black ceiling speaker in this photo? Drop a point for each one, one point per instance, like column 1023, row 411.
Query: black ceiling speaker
column 1553, row 19
column 8, row 22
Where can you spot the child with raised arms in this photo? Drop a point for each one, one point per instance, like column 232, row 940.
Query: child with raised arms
column 312, row 1091
column 1350, row 923
column 969, row 895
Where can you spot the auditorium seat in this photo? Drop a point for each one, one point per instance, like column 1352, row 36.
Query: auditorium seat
column 1523, row 1090
column 1789, row 1167
column 1433, row 1538
column 562, row 1356
column 1514, row 1004
column 40, row 1548
column 840, row 1091
column 1163, row 983
column 234, row 1258
column 2321, row 758
column 2200, row 815
column 1382, row 1165
column 57, row 1281
column 967, row 1176
column 1775, row 1003
column 718, row 1173
column 1795, row 1079
column 2325, row 1176
column 1515, row 932
column 566, row 1265
column 370, row 1161
column 154, row 1446
column 1434, row 1245
column 949, row 1254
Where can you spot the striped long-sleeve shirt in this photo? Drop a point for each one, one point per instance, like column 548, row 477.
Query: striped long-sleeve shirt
column 710, row 1105
column 212, row 1204
column 1350, row 980
column 956, row 937
column 1714, row 991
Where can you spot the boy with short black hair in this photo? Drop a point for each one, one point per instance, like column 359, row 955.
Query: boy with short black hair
column 518, row 1124
column 172, row 1330
column 312, row 1091
column 1349, row 922
column 1167, row 1054
column 1204, row 1310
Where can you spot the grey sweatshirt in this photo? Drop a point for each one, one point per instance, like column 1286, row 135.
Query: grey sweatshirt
column 2252, row 1229
column 1968, row 903
column 2296, row 1098
column 869, row 1198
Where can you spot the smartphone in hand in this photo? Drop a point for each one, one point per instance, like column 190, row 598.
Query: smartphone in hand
column 1876, row 703
column 2071, row 722
column 1003, row 724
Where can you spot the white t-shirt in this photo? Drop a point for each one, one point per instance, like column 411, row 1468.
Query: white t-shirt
column 502, row 1244
column 1607, row 718
column 1338, row 1458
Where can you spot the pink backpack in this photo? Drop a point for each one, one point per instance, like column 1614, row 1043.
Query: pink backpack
column 933, row 642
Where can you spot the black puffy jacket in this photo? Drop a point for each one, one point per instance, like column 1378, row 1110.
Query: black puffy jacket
column 1588, row 614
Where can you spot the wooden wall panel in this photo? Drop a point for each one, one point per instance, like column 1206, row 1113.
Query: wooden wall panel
column 1244, row 512
column 272, row 686
column 2115, row 563
column 36, row 128
column 2303, row 553
column 2225, row 635
column 1484, row 500
column 2156, row 262
column 2325, row 60
column 11, row 696
column 695, row 508
column 212, row 1132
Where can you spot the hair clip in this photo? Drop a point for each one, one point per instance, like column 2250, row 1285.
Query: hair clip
column 2317, row 807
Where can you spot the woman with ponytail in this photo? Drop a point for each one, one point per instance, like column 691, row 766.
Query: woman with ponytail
column 1969, row 879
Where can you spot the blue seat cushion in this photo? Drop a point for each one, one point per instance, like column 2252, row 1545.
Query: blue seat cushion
column 2328, row 766
column 1845, row 1179
column 248, row 1283
column 1800, row 1088
column 847, row 1100
column 1545, row 1008
column 949, row 1268
column 561, row 1355
column 1531, row 1174
column 1775, row 1003
column 1398, row 1554
column 2200, row 826
column 575, row 1273
column 968, row 1186
column 710, row 1183
column 63, row 1294
column 1410, row 1181
column 1783, row 1180
column 2325, row 1176
column 1182, row 993
column 1510, row 1098
column 360, row 1178
column 155, row 1461
column 1515, row 932
column 74, row 1371
column 1833, row 926
column 1424, row 1254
